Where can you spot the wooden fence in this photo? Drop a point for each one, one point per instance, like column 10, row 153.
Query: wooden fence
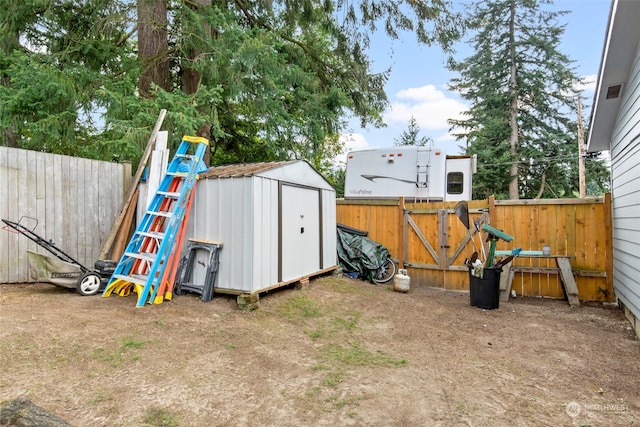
column 432, row 243
column 70, row 201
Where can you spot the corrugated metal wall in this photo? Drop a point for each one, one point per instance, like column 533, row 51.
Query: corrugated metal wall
column 329, row 236
column 75, row 202
column 243, row 214
column 625, row 158
column 239, row 212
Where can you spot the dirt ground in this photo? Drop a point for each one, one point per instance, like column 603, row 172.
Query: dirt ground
column 339, row 352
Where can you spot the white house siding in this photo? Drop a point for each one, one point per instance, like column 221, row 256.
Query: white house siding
column 625, row 169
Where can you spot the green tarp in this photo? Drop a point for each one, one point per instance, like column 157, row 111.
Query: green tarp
column 359, row 254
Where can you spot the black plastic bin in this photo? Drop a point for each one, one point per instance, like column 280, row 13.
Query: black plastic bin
column 485, row 292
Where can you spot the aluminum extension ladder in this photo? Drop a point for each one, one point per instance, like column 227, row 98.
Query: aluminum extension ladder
column 150, row 260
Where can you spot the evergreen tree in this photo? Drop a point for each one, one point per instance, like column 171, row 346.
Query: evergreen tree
column 410, row 136
column 522, row 96
column 263, row 80
column 336, row 177
column 54, row 57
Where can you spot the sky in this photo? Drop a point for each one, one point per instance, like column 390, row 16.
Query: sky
column 418, row 82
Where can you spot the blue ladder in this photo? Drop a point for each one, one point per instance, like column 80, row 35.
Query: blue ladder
column 147, row 254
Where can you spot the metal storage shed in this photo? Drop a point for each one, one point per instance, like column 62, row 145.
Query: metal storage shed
column 277, row 223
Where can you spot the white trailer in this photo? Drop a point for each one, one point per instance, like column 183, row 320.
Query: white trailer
column 418, row 173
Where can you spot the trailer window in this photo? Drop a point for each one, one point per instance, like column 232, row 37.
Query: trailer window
column 454, row 183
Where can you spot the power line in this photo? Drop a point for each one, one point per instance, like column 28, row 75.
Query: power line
column 545, row 160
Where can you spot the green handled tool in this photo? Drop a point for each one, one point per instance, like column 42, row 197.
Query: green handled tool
column 494, row 235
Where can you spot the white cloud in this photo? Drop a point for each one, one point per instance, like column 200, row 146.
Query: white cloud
column 444, row 137
column 351, row 141
column 430, row 107
column 588, row 84
column 427, row 93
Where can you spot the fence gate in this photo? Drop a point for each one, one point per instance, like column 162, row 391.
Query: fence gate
column 432, row 243
column 436, row 244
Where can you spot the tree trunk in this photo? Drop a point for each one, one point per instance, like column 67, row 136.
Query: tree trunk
column 21, row 412
column 9, row 42
column 153, row 45
column 191, row 79
column 9, row 138
column 513, row 140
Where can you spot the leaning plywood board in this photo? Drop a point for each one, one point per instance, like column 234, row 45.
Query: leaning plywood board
column 506, row 278
column 157, row 166
column 124, row 232
column 569, row 282
column 106, row 248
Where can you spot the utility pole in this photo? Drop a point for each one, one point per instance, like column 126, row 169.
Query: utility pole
column 581, row 167
column 514, row 191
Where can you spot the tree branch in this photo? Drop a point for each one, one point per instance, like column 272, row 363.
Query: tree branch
column 542, row 185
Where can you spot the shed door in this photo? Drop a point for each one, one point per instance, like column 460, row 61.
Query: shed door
column 300, row 224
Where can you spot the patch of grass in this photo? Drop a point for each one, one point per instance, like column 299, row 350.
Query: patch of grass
column 348, row 287
column 341, row 403
column 132, row 343
column 101, row 396
column 115, row 357
column 343, row 287
column 58, row 353
column 317, row 334
column 337, row 359
column 229, row 346
column 159, row 417
column 300, row 306
column 333, row 379
column 349, row 322
column 352, row 414
column 353, row 354
column 313, row 392
column 462, row 409
column 321, row 367
column 340, row 351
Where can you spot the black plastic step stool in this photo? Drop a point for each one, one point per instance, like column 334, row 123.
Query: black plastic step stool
column 197, row 250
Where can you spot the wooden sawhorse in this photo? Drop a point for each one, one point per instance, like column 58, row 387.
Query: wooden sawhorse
column 564, row 269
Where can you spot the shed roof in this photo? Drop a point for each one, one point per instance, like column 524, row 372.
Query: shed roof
column 242, row 169
column 294, row 171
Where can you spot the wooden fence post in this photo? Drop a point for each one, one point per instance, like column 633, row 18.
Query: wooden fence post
column 493, row 219
column 608, row 235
